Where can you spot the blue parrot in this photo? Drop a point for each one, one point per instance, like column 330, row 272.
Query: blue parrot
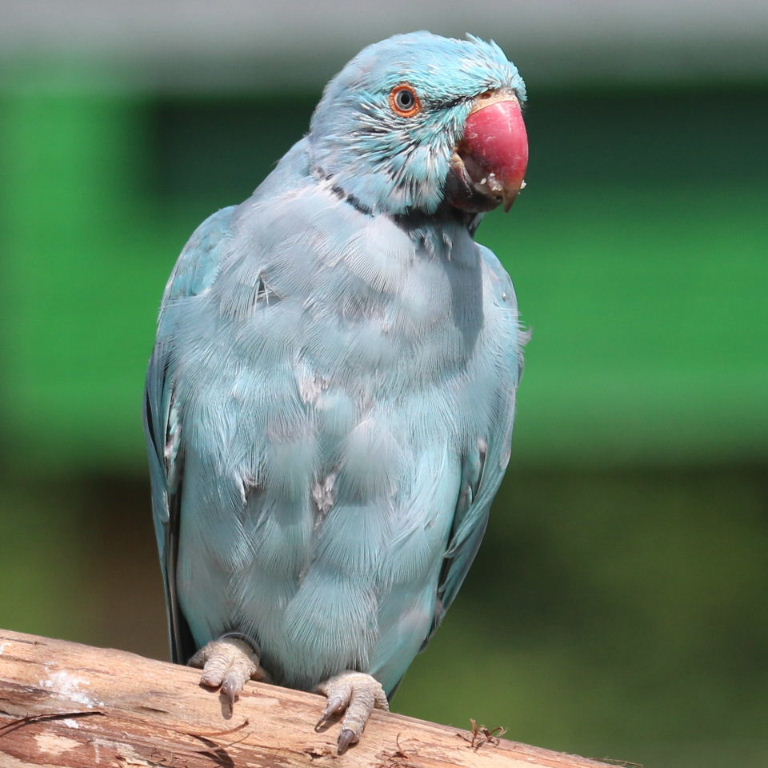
column 330, row 401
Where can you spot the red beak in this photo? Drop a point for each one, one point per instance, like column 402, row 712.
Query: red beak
column 494, row 150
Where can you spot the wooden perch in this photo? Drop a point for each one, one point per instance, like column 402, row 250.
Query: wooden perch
column 65, row 705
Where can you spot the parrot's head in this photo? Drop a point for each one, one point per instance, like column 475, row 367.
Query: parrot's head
column 419, row 122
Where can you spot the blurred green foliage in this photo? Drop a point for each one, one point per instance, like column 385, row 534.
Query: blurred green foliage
column 617, row 607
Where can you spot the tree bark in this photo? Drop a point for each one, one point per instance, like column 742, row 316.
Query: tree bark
column 66, row 705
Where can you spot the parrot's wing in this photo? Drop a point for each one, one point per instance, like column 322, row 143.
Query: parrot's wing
column 195, row 271
column 480, row 480
column 483, row 467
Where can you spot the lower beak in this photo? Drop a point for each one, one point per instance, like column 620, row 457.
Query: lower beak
column 491, row 160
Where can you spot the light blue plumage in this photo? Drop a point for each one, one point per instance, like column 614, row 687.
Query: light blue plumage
column 331, row 397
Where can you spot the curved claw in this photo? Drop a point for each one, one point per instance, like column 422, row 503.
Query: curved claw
column 347, row 738
column 228, row 663
column 357, row 695
column 335, row 706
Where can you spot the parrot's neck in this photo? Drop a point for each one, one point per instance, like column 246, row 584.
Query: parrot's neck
column 445, row 215
column 337, row 190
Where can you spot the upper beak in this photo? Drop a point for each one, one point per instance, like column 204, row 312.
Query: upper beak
column 492, row 157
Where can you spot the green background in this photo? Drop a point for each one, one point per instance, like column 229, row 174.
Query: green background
column 618, row 607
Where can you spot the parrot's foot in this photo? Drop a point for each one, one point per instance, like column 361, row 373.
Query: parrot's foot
column 356, row 695
column 228, row 663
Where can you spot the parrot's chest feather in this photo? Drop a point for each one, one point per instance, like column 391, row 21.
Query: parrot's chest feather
column 333, row 389
column 378, row 309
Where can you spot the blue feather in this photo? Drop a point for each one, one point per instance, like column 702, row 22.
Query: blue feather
column 331, row 397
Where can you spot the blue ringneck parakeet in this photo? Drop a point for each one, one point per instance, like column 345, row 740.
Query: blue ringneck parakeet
column 330, row 401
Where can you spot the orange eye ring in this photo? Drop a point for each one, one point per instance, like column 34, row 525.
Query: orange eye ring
column 405, row 101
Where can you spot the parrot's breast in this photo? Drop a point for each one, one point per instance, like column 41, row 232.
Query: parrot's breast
column 331, row 388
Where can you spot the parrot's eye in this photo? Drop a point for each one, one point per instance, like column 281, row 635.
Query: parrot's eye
column 405, row 101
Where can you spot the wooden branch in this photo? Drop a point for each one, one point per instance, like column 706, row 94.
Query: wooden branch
column 65, row 705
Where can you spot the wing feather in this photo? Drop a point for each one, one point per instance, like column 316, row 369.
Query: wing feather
column 195, row 271
column 484, row 465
